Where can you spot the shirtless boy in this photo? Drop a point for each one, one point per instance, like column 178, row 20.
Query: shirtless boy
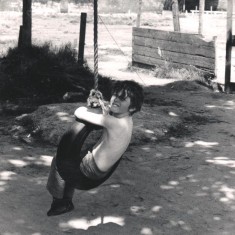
column 117, row 123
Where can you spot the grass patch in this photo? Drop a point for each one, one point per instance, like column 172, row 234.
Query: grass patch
column 184, row 73
column 178, row 130
column 188, row 125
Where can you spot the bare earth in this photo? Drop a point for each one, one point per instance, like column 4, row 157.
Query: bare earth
column 179, row 183
column 176, row 178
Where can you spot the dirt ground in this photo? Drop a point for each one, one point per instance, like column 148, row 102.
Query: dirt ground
column 176, row 178
column 179, row 183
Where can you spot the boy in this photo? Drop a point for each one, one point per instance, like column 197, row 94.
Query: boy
column 116, row 120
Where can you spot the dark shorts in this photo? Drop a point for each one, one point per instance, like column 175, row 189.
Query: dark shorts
column 89, row 168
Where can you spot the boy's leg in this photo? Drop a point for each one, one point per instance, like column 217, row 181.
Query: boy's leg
column 61, row 192
column 55, row 184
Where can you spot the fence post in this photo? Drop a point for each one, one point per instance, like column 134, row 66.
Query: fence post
column 175, row 12
column 64, row 6
column 25, row 35
column 201, row 16
column 139, row 14
column 82, row 38
column 229, row 43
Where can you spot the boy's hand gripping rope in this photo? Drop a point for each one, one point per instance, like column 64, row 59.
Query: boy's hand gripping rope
column 95, row 100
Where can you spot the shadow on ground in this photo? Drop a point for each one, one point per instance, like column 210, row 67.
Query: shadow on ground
column 178, row 181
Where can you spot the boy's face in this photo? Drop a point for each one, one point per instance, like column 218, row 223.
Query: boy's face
column 120, row 105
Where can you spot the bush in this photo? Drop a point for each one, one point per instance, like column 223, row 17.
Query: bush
column 46, row 72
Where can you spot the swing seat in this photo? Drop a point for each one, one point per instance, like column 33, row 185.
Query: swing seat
column 69, row 156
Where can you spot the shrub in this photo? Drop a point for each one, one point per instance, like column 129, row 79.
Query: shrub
column 46, row 72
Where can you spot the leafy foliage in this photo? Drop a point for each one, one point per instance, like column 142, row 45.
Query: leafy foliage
column 46, row 72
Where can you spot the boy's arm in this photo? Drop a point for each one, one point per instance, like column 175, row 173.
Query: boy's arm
column 93, row 116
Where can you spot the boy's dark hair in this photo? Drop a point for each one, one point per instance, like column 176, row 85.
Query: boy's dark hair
column 132, row 89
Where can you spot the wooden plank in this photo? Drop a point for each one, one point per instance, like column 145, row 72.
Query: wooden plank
column 175, row 57
column 175, row 46
column 171, row 36
column 147, row 60
column 150, row 61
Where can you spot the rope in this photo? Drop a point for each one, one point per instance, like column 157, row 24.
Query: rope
column 110, row 34
column 96, row 78
column 96, row 46
column 95, row 98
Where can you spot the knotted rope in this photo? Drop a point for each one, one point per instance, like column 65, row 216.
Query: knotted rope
column 95, row 98
column 96, row 79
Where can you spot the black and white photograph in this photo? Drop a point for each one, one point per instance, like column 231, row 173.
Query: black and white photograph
column 117, row 117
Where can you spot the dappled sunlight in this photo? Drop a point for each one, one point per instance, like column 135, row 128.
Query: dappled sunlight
column 2, row 186
column 18, row 163
column 224, row 193
column 96, row 190
column 84, row 223
column 171, row 185
column 149, row 131
column 147, row 149
column 173, row 114
column 216, row 218
column 181, row 224
column 64, row 116
column 115, row 186
column 146, row 231
column 229, row 194
column 229, row 105
column 17, row 148
column 145, row 211
column 43, row 160
column 156, row 209
column 5, row 176
column 222, row 161
column 93, row 191
column 201, row 144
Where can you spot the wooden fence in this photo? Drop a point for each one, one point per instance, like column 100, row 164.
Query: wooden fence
column 155, row 47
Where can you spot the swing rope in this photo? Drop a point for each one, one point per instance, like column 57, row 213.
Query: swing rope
column 95, row 98
column 96, row 45
column 95, row 95
column 96, row 78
